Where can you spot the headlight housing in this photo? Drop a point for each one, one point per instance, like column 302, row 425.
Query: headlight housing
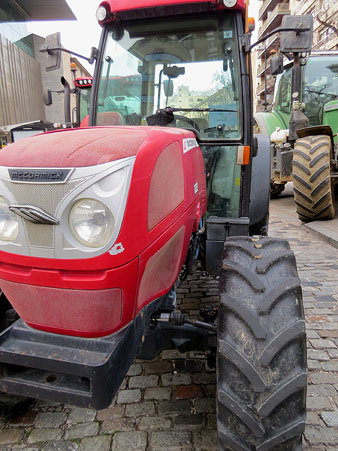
column 91, row 223
column 9, row 225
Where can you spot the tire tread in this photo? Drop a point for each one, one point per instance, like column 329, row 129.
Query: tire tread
column 255, row 401
column 311, row 173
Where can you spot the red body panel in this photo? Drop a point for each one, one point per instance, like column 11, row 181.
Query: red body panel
column 149, row 256
column 101, row 310
column 73, row 148
column 116, row 6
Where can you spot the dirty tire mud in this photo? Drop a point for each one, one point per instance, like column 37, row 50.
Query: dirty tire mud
column 276, row 189
column 312, row 185
column 261, row 348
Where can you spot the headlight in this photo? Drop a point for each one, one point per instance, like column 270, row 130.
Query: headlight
column 101, row 13
column 91, row 223
column 9, row 226
column 229, row 3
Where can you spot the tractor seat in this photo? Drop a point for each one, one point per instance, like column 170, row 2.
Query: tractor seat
column 105, row 119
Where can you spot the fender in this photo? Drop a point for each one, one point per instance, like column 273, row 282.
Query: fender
column 267, row 122
column 330, row 116
column 260, row 187
column 318, row 130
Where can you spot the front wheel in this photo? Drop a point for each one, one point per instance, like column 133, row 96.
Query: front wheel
column 261, row 348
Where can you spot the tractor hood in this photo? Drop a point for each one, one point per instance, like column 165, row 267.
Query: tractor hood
column 48, row 174
column 141, row 190
column 75, row 147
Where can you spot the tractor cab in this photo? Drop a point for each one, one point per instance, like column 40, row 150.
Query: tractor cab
column 184, row 72
column 188, row 77
column 319, row 89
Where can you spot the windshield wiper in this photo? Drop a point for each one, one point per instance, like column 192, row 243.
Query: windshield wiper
column 323, row 93
column 169, row 109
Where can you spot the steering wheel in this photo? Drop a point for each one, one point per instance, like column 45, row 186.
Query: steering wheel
column 188, row 120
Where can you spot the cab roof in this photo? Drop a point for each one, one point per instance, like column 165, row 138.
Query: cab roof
column 130, row 9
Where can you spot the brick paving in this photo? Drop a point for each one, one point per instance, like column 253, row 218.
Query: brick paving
column 168, row 403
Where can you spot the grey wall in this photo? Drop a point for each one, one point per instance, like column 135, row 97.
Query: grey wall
column 21, row 98
column 24, row 82
column 52, row 80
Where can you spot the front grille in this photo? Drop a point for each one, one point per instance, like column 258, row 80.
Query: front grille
column 48, row 197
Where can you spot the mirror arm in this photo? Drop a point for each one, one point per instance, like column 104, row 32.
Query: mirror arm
column 66, row 100
column 90, row 60
column 109, row 60
column 159, row 89
column 277, row 30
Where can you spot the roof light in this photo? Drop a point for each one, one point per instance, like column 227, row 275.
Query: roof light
column 101, row 13
column 251, row 24
column 229, row 3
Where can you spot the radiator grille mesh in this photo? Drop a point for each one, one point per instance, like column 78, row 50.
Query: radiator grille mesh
column 40, row 235
column 47, row 197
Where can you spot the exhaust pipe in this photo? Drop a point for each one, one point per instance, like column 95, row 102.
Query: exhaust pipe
column 66, row 99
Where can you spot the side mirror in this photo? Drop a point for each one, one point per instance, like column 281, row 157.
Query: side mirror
column 296, row 41
column 276, row 64
column 53, row 49
column 173, row 71
column 168, row 88
column 53, row 41
column 93, row 55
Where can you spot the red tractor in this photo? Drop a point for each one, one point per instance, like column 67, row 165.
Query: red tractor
column 97, row 223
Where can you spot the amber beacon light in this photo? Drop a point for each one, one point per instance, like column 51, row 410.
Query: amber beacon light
column 251, row 24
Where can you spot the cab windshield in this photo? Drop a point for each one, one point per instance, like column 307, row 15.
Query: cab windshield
column 182, row 73
column 320, row 86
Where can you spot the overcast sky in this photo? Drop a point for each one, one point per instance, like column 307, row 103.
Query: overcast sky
column 83, row 34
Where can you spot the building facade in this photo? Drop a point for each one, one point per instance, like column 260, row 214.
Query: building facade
column 270, row 15
column 325, row 21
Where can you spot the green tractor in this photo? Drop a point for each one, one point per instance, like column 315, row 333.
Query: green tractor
column 303, row 125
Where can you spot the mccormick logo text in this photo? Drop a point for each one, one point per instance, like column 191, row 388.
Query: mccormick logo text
column 188, row 144
column 39, row 175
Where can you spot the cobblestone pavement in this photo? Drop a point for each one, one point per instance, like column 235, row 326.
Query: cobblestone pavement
column 168, row 403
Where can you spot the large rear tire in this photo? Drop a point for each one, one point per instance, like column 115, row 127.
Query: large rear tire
column 261, row 348
column 312, row 184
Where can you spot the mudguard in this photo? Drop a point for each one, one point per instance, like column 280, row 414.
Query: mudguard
column 330, row 116
column 260, row 187
column 268, row 121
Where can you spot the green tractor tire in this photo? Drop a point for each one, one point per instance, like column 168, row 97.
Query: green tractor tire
column 261, row 348
column 311, row 173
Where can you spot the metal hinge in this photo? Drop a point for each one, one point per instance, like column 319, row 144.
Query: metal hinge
column 245, row 41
